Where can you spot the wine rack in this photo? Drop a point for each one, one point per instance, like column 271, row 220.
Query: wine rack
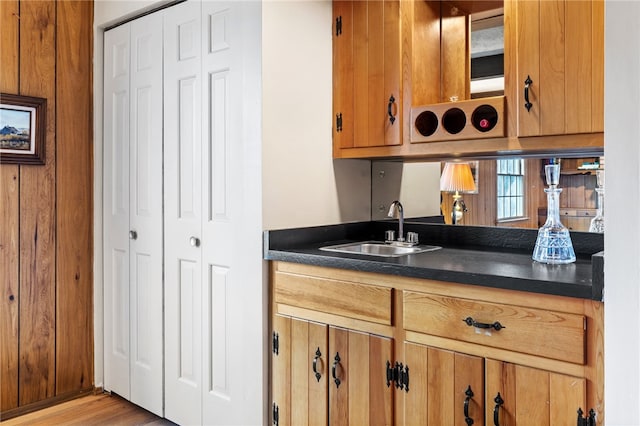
column 472, row 119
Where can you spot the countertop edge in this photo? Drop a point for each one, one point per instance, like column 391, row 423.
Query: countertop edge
column 300, row 246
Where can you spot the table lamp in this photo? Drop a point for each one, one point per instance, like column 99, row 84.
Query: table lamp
column 456, row 178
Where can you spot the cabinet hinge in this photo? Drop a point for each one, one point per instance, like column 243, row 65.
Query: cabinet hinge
column 276, row 414
column 339, row 122
column 398, row 374
column 338, row 25
column 276, row 343
column 586, row 421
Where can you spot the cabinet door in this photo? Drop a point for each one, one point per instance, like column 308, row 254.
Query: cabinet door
column 439, row 387
column 299, row 372
column 531, row 396
column 358, row 392
column 366, row 66
column 559, row 46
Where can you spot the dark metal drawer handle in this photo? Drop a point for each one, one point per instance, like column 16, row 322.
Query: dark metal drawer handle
column 336, row 362
column 390, row 112
column 315, row 364
column 469, row 393
column 527, row 83
column 472, row 323
column 496, row 410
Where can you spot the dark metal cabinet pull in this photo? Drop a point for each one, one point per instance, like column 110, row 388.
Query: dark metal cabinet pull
column 472, row 323
column 496, row 410
column 586, row 421
column 315, row 363
column 527, row 83
column 336, row 362
column 390, row 112
column 276, row 414
column 391, row 377
column 469, row 393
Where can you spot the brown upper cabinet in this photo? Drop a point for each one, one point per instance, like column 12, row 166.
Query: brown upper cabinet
column 367, row 65
column 402, row 69
column 554, row 67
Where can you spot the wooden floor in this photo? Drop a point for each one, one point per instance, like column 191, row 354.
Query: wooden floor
column 93, row 410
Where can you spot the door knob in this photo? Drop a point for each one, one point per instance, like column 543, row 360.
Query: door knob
column 195, row 242
column 133, row 235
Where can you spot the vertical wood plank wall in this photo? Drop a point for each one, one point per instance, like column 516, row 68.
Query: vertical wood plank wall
column 46, row 247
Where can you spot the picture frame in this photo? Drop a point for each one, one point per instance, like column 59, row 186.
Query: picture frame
column 22, row 129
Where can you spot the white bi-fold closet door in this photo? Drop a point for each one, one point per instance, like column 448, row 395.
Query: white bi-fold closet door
column 133, row 257
column 213, row 308
column 212, row 358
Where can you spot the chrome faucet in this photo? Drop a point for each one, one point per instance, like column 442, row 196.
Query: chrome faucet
column 392, row 211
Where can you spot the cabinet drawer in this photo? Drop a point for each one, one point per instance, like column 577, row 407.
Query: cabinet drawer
column 359, row 301
column 556, row 335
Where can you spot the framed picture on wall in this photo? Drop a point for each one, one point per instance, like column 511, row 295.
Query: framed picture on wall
column 22, row 129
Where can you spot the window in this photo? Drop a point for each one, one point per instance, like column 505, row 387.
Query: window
column 510, row 189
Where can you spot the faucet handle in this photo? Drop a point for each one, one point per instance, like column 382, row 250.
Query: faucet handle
column 412, row 237
column 390, row 235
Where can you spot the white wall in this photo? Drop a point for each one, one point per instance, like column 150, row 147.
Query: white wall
column 416, row 185
column 302, row 185
column 622, row 196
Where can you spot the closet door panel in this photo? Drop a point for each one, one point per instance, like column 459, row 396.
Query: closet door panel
column 232, row 366
column 116, row 210
column 183, row 214
column 221, row 279
column 145, row 162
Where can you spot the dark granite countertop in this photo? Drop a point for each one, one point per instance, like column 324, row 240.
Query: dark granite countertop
column 486, row 256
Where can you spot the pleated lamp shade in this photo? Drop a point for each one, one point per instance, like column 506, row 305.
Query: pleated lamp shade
column 457, row 177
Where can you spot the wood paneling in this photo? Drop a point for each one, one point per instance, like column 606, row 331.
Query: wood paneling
column 9, row 231
column 37, row 211
column 46, row 229
column 74, row 277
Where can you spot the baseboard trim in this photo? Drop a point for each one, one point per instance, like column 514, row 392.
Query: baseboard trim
column 45, row 403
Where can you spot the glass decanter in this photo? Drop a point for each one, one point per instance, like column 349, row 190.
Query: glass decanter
column 554, row 244
column 597, row 223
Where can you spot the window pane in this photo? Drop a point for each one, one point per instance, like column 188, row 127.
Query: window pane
column 520, row 191
column 510, row 188
column 520, row 211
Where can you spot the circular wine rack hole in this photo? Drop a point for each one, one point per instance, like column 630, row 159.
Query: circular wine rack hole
column 454, row 120
column 484, row 118
column 426, row 123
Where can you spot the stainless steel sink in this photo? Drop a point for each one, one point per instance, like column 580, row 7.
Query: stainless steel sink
column 376, row 248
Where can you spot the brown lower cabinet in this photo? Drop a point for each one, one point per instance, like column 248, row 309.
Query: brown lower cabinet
column 446, row 388
column 329, row 375
column 451, row 354
column 449, row 388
